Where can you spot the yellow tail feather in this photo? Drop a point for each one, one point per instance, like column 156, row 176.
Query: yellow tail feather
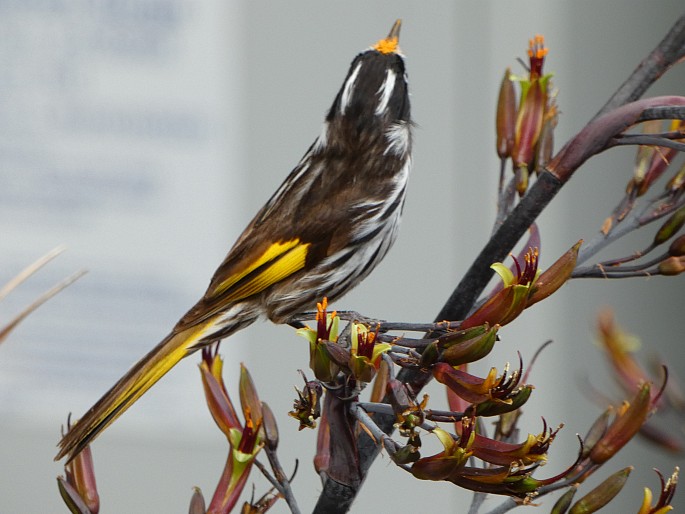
column 141, row 377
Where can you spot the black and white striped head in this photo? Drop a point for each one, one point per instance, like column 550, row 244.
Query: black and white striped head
column 375, row 89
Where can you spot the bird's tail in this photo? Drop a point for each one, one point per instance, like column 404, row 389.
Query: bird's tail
column 141, row 377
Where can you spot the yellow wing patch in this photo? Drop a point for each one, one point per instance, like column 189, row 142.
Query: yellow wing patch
column 279, row 261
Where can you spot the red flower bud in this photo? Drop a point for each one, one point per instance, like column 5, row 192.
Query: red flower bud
column 628, row 421
column 529, row 124
column 506, row 116
column 677, row 248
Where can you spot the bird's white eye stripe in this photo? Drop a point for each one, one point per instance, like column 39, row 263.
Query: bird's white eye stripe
column 385, row 92
column 347, row 89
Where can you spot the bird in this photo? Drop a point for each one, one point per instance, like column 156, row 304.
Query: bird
column 327, row 226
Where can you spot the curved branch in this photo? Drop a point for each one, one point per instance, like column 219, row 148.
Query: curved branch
column 597, row 134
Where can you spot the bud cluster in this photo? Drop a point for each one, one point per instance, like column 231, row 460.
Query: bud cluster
column 525, row 128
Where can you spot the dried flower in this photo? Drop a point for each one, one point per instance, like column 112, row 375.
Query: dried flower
column 307, row 408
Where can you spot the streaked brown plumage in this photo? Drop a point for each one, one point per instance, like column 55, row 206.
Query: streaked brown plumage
column 325, row 229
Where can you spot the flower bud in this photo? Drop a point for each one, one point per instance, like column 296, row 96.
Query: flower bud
column 529, row 124
column 596, row 432
column 460, row 350
column 406, row 455
column 506, row 116
column 81, row 473
column 672, row 266
column 245, row 439
column 534, row 104
column 545, row 147
column 79, row 489
column 197, row 502
column 270, row 427
column 380, row 383
column 672, row 225
column 521, row 177
column 71, row 497
column 249, row 400
column 430, row 355
column 564, row 502
column 335, row 353
column 408, row 414
column 677, row 248
column 218, row 401
column 602, row 494
column 628, row 421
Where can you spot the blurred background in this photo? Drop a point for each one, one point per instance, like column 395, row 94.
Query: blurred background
column 144, row 135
